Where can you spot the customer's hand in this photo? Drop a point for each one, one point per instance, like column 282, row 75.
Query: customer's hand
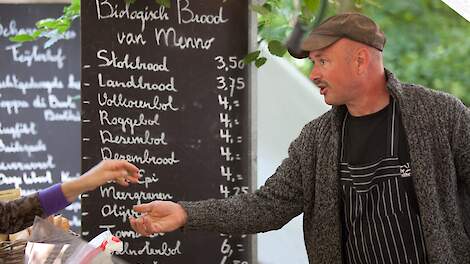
column 119, row 171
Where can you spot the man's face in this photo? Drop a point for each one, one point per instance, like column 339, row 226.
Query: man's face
column 332, row 73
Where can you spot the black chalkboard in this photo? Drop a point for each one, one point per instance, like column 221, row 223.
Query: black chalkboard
column 167, row 90
column 39, row 105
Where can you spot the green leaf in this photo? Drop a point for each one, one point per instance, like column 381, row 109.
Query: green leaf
column 22, row 38
column 260, row 9
column 37, row 33
column 165, row 3
column 250, row 57
column 277, row 48
column 73, row 8
column 312, row 5
column 48, row 23
column 260, row 61
column 64, row 26
column 276, row 3
column 268, row 7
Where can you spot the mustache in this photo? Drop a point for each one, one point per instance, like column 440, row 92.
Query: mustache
column 320, row 83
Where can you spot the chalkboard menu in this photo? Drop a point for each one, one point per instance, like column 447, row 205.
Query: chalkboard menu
column 166, row 89
column 39, row 105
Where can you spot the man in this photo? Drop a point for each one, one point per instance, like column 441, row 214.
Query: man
column 383, row 177
column 19, row 214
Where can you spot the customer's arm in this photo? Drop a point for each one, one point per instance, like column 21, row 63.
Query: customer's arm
column 19, row 214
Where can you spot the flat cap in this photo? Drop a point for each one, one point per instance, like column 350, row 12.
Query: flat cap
column 353, row 26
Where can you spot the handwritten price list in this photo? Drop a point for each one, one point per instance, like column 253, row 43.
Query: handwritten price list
column 39, row 105
column 166, row 89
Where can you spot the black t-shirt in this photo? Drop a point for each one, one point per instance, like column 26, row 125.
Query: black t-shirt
column 381, row 222
column 370, row 134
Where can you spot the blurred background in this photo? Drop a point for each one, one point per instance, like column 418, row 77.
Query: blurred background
column 428, row 43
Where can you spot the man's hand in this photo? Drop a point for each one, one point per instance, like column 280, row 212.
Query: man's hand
column 119, row 171
column 158, row 217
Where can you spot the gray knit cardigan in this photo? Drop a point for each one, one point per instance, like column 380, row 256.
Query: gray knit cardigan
column 437, row 126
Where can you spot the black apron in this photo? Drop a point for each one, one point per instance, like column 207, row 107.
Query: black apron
column 381, row 218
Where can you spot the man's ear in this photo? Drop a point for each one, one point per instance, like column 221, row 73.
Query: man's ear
column 361, row 60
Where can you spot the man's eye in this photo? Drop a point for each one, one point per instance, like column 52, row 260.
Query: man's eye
column 322, row 61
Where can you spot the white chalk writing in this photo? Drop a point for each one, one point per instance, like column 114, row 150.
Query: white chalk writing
column 111, row 192
column 19, row 129
column 39, row 102
column 104, row 10
column 146, row 181
column 108, row 137
column 118, row 100
column 17, row 147
column 125, row 63
column 55, row 102
column 12, row 82
column 138, row 83
column 64, row 115
column 124, row 122
column 130, row 38
column 118, row 211
column 13, row 106
column 75, row 221
column 72, row 83
column 10, row 179
column 186, row 15
column 164, row 250
column 29, row 178
column 66, row 175
column 27, row 166
column 74, row 207
column 170, row 38
column 12, row 30
column 146, row 158
column 35, row 55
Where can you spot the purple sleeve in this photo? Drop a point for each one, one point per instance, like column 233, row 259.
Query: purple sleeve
column 52, row 199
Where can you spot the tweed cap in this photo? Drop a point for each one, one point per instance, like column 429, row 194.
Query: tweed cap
column 353, row 26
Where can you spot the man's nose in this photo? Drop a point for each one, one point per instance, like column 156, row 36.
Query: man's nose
column 315, row 74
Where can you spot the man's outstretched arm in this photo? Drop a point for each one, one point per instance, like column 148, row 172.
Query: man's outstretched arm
column 270, row 207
